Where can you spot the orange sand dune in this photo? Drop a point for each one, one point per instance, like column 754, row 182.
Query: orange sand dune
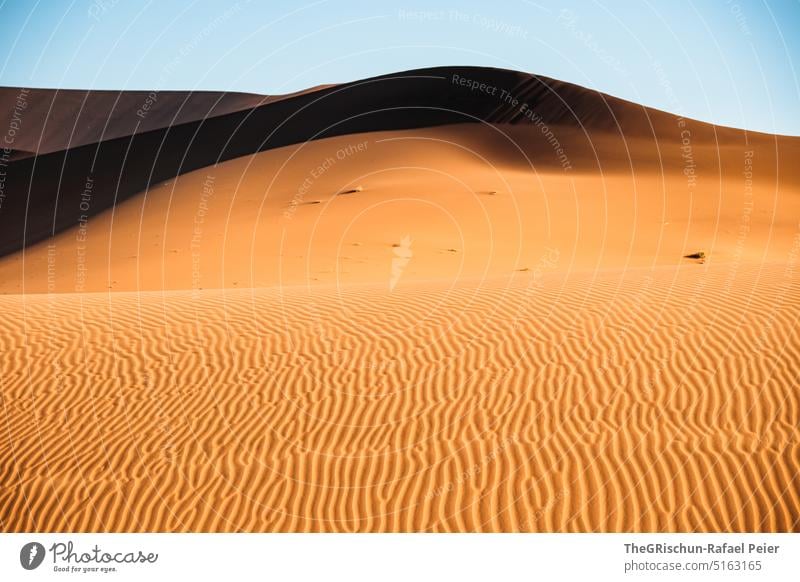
column 53, row 191
column 411, row 323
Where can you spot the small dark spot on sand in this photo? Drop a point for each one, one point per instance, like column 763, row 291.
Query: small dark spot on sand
column 699, row 256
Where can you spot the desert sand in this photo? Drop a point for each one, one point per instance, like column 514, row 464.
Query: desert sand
column 430, row 308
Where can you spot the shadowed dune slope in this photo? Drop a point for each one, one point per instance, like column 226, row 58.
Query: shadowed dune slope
column 51, row 120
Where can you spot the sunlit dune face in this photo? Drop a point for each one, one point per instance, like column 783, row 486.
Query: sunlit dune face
column 331, row 211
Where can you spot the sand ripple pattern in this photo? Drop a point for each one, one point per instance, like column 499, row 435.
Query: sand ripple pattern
column 640, row 401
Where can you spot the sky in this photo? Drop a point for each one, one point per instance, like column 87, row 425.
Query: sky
column 730, row 62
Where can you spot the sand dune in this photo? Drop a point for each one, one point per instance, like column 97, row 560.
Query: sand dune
column 44, row 195
column 400, row 304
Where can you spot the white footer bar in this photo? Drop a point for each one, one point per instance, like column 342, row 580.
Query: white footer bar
column 400, row 557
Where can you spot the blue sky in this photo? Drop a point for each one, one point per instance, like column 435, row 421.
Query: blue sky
column 732, row 62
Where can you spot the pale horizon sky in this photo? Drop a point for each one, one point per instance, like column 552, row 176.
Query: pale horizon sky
column 732, row 62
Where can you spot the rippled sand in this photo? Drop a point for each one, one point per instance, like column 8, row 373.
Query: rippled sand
column 627, row 401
